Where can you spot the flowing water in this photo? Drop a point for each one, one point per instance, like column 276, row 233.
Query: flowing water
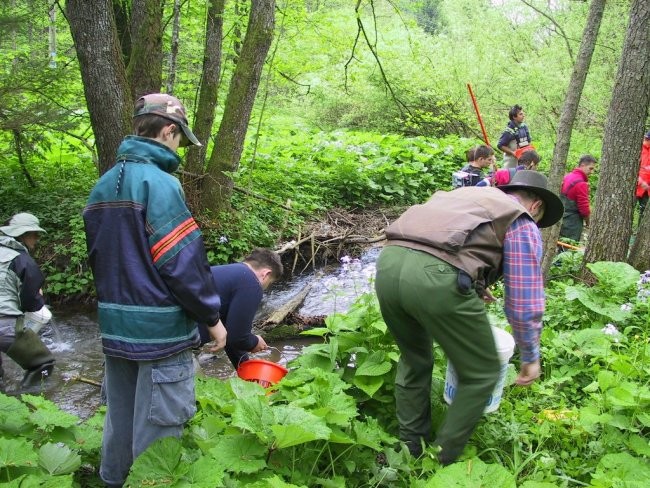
column 73, row 335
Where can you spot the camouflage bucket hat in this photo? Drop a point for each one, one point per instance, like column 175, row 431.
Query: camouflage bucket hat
column 170, row 108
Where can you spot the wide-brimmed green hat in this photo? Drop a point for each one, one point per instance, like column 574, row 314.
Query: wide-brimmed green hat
column 20, row 224
column 537, row 183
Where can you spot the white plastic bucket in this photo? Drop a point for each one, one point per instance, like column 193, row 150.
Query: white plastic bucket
column 505, row 345
column 37, row 320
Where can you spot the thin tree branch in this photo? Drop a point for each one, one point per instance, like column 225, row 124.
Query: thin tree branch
column 402, row 107
column 287, row 77
column 557, row 26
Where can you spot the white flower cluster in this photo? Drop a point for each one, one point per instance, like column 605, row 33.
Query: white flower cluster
column 610, row 329
column 643, row 286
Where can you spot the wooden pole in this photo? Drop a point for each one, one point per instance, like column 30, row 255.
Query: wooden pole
column 478, row 114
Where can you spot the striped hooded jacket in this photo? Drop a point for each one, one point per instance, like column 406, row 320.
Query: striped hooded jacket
column 147, row 255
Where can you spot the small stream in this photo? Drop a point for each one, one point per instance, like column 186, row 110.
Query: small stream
column 73, row 335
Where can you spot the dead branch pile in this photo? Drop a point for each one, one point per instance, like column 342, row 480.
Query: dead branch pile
column 340, row 232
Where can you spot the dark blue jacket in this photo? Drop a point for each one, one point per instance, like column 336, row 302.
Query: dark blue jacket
column 241, row 293
column 514, row 132
column 147, row 255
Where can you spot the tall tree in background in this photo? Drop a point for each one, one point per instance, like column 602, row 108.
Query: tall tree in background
column 144, row 70
column 205, row 110
column 38, row 100
column 612, row 220
column 106, row 89
column 568, row 116
column 104, row 78
column 640, row 253
column 229, row 142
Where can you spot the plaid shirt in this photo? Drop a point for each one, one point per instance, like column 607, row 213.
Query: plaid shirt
column 524, row 285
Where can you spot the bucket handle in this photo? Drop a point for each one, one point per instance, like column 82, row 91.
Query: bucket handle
column 270, row 347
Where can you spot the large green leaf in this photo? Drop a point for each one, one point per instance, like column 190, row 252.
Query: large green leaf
column 369, row 434
column 159, row 465
column 240, row 453
column 13, row 414
column 44, row 481
column 58, row 459
column 273, row 482
column 245, row 389
column 472, row 473
column 374, row 365
column 617, row 277
column 48, row 415
column 369, row 384
column 206, row 432
column 639, row 445
column 202, row 473
column 621, row 470
column 294, row 425
column 322, row 393
column 17, row 452
column 595, row 302
column 253, row 414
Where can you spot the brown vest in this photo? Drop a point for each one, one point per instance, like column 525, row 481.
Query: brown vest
column 464, row 227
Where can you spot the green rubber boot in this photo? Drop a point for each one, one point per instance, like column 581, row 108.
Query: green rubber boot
column 32, row 355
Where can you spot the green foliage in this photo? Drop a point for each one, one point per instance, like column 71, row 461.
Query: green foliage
column 330, row 420
column 607, row 300
column 40, row 445
column 317, row 170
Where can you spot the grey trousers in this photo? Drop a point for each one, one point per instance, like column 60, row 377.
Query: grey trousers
column 421, row 303
column 146, row 401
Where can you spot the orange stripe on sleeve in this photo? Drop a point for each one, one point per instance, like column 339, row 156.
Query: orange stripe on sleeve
column 173, row 238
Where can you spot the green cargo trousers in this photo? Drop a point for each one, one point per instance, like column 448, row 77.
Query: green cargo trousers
column 420, row 302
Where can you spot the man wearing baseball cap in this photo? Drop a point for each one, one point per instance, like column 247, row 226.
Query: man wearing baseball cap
column 432, row 279
column 21, row 281
column 153, row 284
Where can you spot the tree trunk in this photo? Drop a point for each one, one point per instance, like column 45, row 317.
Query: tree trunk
column 204, row 118
column 640, row 20
column 144, row 71
column 236, row 44
column 640, row 254
column 567, row 118
column 110, row 104
column 239, row 104
column 611, row 227
column 173, row 54
column 52, row 37
column 122, row 11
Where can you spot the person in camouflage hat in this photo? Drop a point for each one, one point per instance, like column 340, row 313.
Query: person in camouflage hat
column 153, row 284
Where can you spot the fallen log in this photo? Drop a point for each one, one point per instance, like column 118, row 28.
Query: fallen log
column 278, row 316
